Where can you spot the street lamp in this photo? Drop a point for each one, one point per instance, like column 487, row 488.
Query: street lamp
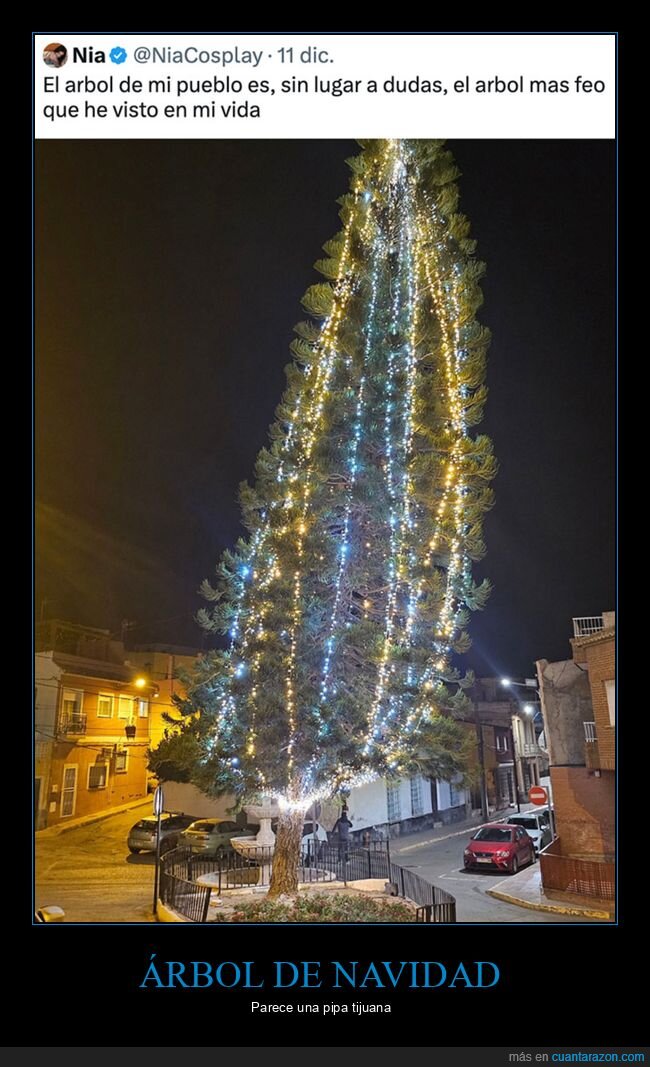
column 531, row 683
column 528, row 683
column 528, row 709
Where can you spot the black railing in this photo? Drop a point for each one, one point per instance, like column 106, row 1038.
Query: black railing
column 187, row 898
column 72, row 722
column 320, row 862
column 436, row 906
column 345, row 862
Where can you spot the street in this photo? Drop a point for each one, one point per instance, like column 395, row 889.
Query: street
column 440, row 860
column 90, row 873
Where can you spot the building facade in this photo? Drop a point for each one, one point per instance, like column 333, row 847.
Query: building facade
column 161, row 664
column 392, row 807
column 578, row 703
column 91, row 724
column 509, row 757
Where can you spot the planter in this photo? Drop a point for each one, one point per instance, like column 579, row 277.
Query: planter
column 130, row 731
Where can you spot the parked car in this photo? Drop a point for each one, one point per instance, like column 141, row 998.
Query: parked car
column 142, row 835
column 500, row 845
column 211, row 837
column 536, row 824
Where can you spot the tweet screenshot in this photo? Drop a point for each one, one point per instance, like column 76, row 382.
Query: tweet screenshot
column 325, row 702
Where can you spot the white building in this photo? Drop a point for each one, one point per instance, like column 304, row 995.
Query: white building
column 404, row 805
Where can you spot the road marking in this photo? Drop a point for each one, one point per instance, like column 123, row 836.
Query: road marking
column 446, row 837
column 433, row 841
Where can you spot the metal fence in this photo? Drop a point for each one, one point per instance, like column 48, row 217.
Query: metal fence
column 187, row 898
column 320, row 862
column 587, row 625
column 436, row 906
column 587, row 878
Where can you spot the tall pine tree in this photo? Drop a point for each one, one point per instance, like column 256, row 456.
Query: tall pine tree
column 345, row 603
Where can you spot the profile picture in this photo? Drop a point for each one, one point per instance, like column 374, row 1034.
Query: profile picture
column 55, row 55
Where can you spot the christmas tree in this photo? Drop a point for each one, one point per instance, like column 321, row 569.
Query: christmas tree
column 350, row 595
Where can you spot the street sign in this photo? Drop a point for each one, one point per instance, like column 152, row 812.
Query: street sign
column 159, row 801
column 537, row 795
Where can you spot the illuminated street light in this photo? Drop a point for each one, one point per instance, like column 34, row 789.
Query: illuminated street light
column 140, row 682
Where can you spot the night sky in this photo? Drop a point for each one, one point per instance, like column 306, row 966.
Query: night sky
column 168, row 280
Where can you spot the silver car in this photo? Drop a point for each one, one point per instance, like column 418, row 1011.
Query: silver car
column 211, row 837
column 142, row 836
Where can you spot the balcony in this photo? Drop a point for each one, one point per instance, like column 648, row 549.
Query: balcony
column 532, row 751
column 587, row 625
column 592, row 755
column 72, row 722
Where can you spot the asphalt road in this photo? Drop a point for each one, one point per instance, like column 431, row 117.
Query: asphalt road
column 441, row 862
column 90, row 873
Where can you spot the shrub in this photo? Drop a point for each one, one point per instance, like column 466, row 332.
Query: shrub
column 320, row 908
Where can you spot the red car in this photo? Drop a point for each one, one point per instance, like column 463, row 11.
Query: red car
column 499, row 845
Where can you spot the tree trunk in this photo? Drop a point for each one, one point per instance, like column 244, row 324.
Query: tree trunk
column 286, row 855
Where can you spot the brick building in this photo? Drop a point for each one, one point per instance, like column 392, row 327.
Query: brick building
column 578, row 703
column 507, row 745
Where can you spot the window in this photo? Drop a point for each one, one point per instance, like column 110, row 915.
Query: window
column 456, row 794
column 72, row 701
column 69, row 789
column 502, row 743
column 121, row 762
column 529, row 822
column 393, row 801
column 178, row 822
column 610, row 688
column 493, row 833
column 124, row 707
column 416, row 795
column 104, row 706
column 143, row 709
column 98, row 776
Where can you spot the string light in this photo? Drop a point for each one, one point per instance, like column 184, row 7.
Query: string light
column 396, row 242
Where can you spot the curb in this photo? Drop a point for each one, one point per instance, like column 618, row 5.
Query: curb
column 462, row 827
column 559, row 909
column 85, row 820
column 165, row 914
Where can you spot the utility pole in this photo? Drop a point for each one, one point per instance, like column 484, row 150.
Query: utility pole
column 481, row 761
column 515, row 766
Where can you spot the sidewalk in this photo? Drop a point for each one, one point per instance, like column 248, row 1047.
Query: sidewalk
column 525, row 889
column 411, row 842
column 83, row 820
